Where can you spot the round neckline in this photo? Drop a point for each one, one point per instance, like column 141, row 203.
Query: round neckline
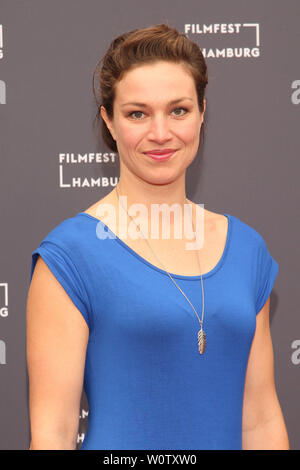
column 216, row 268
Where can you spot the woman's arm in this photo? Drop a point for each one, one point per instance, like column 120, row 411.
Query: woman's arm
column 57, row 337
column 263, row 422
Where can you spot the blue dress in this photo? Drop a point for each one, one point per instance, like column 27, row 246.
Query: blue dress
column 146, row 383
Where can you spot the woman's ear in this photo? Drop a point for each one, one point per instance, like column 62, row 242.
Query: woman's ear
column 202, row 113
column 108, row 122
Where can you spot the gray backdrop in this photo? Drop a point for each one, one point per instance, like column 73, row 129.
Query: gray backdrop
column 249, row 166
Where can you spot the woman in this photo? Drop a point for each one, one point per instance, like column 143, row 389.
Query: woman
column 121, row 314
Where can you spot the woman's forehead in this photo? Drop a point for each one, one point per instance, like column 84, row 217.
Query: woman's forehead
column 155, row 83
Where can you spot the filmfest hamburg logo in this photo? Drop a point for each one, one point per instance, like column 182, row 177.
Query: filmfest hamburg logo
column 3, row 313
column 226, row 40
column 3, row 295
column 70, row 162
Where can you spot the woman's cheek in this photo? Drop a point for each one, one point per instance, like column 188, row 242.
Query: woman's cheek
column 131, row 136
column 189, row 135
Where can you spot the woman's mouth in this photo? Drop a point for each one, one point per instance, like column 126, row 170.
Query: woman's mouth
column 160, row 155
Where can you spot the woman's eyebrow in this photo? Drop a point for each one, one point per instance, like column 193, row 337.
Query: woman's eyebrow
column 143, row 104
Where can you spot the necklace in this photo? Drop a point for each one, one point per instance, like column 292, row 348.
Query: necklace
column 201, row 334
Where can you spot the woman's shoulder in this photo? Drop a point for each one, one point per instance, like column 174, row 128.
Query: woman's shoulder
column 72, row 230
column 246, row 233
column 66, row 233
column 243, row 232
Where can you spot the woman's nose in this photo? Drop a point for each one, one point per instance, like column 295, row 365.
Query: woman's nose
column 160, row 128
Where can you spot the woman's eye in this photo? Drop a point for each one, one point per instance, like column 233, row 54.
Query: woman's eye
column 176, row 109
column 135, row 112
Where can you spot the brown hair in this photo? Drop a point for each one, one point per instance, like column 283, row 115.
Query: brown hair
column 138, row 47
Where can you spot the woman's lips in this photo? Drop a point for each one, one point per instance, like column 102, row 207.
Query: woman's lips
column 160, row 155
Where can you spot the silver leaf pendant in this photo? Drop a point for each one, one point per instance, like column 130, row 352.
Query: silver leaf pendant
column 201, row 341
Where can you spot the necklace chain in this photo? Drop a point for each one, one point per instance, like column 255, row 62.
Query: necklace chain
column 201, row 334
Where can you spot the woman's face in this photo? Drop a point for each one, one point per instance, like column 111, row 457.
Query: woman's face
column 155, row 123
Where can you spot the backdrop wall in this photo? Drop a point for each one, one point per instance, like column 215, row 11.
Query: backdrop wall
column 53, row 166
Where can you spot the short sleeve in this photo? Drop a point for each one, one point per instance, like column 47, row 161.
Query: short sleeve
column 65, row 271
column 266, row 274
